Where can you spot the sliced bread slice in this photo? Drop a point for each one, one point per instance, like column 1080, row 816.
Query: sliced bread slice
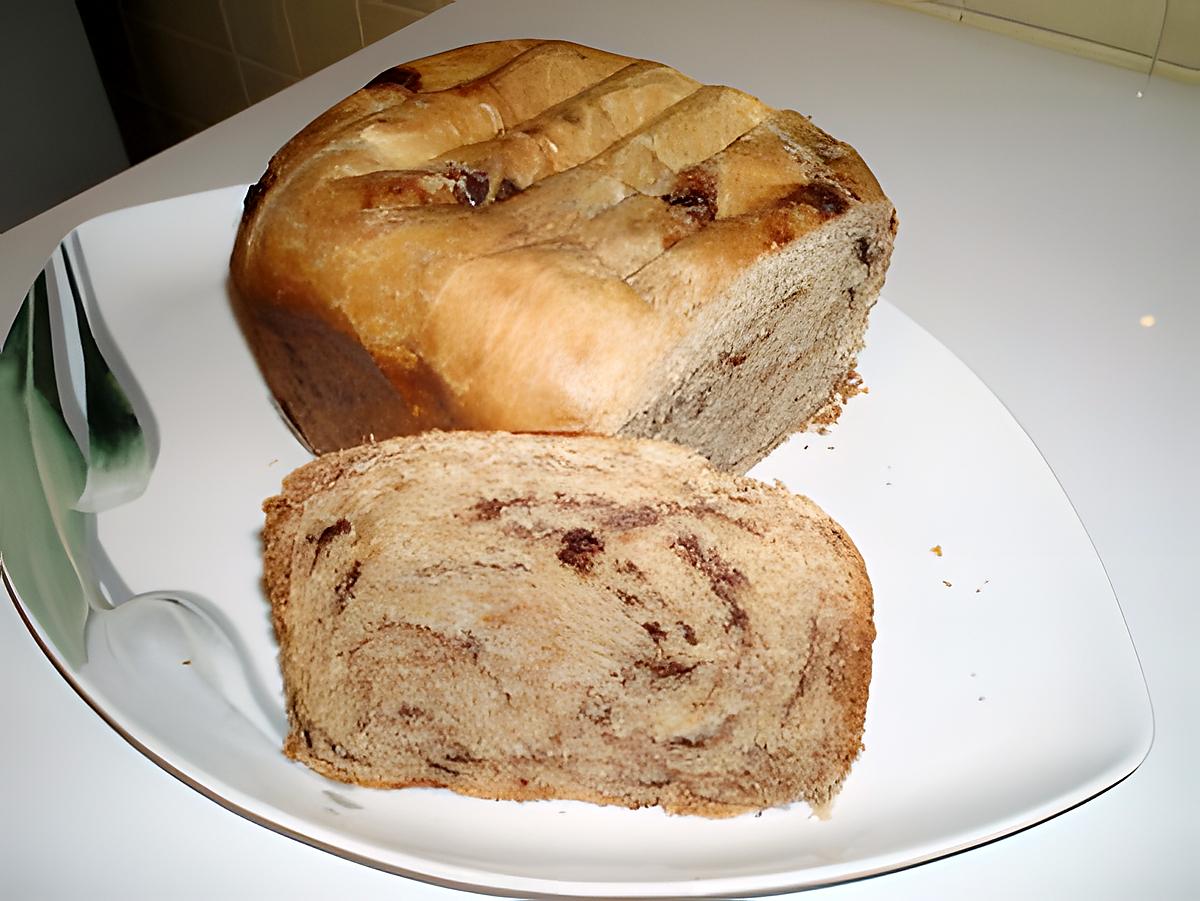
column 602, row 619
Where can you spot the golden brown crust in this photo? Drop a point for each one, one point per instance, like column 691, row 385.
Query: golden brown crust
column 535, row 235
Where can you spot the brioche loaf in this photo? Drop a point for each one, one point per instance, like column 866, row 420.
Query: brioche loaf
column 533, row 235
column 595, row 618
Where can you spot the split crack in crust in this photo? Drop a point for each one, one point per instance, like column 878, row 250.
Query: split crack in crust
column 654, row 631
column 539, row 236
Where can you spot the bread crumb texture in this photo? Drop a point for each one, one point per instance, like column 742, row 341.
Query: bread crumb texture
column 602, row 619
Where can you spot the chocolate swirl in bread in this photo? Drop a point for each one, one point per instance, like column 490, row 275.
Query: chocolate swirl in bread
column 602, row 619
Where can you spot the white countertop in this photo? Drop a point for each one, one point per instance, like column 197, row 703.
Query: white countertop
column 1044, row 210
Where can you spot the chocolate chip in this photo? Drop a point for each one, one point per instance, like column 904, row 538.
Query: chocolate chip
column 823, row 197
column 695, row 190
column 579, row 548
column 655, row 631
column 470, row 185
column 398, row 76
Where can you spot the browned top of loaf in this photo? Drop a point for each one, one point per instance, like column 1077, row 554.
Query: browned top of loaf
column 595, row 200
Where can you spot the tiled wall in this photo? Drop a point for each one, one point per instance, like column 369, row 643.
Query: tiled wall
column 1123, row 32
column 173, row 67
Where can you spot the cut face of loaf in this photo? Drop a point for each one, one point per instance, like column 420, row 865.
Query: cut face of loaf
column 538, row 236
column 602, row 619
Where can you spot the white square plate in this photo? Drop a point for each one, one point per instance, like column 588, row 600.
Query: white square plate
column 1006, row 688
